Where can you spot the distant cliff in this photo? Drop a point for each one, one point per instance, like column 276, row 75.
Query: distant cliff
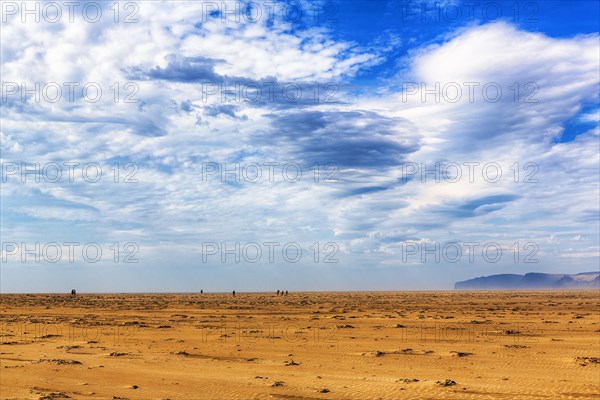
column 532, row 280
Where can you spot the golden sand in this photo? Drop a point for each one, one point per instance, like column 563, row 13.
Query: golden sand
column 427, row 345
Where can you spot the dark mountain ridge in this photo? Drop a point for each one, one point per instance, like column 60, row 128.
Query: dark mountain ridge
column 532, row 280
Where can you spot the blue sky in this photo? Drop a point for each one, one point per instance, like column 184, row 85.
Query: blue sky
column 433, row 126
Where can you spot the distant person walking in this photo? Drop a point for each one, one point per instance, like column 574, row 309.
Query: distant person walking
column 277, row 292
column 286, row 292
column 234, row 293
column 73, row 292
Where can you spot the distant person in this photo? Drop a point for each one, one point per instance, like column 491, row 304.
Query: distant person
column 201, row 291
column 73, row 292
column 234, row 293
column 286, row 292
column 277, row 292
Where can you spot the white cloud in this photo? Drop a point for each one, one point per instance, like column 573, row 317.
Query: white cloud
column 171, row 210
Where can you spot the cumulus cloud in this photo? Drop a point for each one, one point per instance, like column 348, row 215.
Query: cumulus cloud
column 369, row 196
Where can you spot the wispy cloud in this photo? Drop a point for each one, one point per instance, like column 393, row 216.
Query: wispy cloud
column 377, row 156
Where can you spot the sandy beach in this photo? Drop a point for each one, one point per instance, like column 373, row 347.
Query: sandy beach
column 427, row 345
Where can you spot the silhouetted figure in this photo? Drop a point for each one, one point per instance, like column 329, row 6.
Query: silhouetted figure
column 277, row 292
column 73, row 292
column 286, row 293
column 201, row 291
column 234, row 293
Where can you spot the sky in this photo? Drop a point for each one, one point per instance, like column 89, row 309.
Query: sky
column 174, row 146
